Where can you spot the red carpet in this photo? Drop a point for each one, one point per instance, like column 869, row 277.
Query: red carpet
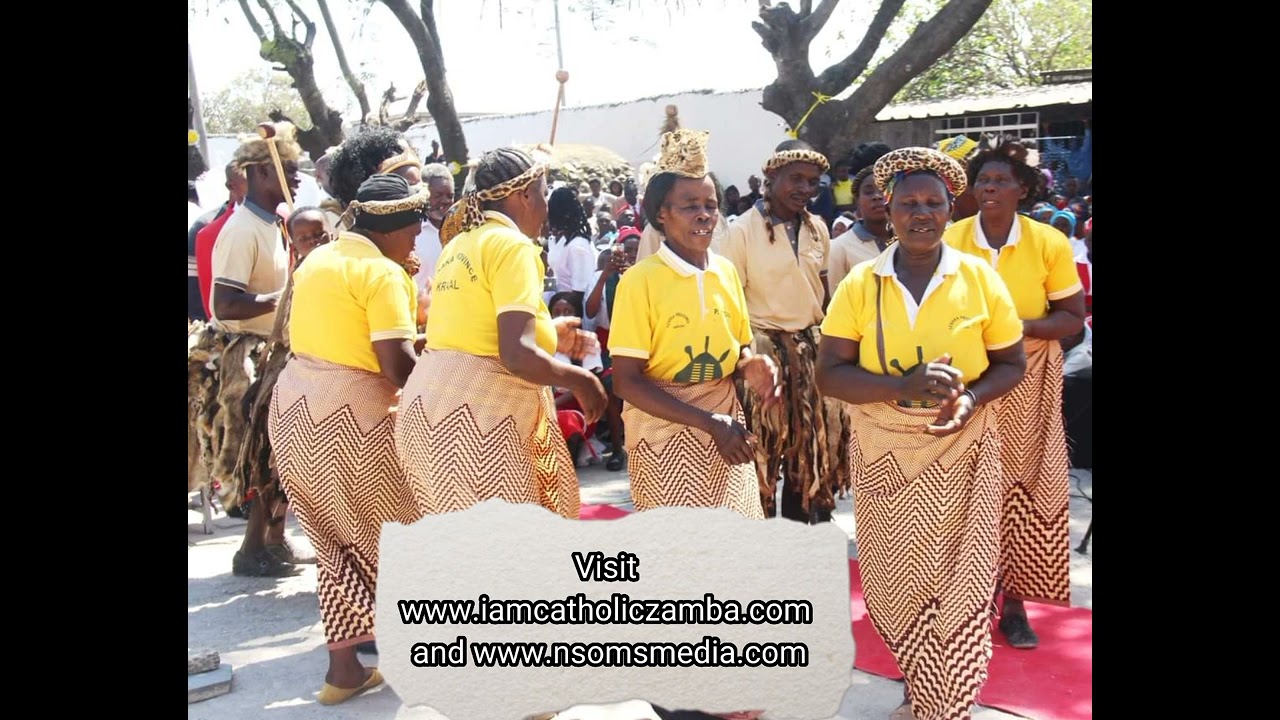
column 1052, row 682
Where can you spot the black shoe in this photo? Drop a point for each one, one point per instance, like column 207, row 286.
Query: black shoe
column 261, row 564
column 616, row 461
column 1018, row 632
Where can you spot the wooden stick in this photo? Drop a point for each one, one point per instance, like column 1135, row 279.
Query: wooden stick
column 561, row 77
column 267, row 131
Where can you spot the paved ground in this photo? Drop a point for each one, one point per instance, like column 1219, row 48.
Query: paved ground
column 270, row 632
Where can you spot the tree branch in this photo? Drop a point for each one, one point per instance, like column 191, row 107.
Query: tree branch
column 429, row 20
column 806, row 7
column 836, row 78
column 815, row 21
column 410, row 117
column 253, row 21
column 306, row 22
column 930, row 41
column 357, row 87
column 271, row 13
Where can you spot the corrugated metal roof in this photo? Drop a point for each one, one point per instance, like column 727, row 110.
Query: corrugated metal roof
column 1066, row 94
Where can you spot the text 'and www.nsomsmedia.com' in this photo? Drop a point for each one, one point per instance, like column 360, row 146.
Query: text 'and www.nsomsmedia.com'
column 619, row 609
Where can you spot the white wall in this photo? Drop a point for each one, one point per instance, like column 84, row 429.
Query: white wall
column 743, row 134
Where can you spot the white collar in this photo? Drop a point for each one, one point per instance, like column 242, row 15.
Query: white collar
column 948, row 264
column 1015, row 232
column 682, row 267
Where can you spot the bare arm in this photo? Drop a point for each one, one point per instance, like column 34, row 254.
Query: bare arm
column 840, row 377
column 396, row 358
column 1065, row 318
column 596, row 296
column 1005, row 372
column 518, row 349
column 231, row 303
column 632, row 385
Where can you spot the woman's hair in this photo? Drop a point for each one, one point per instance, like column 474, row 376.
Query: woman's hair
column 571, row 298
column 566, row 215
column 359, row 158
column 499, row 166
column 1010, row 150
column 656, row 192
column 297, row 214
column 865, row 156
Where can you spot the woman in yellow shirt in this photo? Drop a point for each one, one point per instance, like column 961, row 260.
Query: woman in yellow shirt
column 679, row 336
column 478, row 420
column 919, row 342
column 1038, row 265
column 330, row 424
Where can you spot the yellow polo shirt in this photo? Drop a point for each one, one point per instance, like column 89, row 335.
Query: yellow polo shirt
column 842, row 192
column 966, row 311
column 481, row 274
column 346, row 296
column 1037, row 263
column 783, row 287
column 689, row 325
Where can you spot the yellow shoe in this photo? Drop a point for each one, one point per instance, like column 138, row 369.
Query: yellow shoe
column 330, row 695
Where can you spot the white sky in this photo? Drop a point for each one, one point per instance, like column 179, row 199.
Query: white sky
column 642, row 52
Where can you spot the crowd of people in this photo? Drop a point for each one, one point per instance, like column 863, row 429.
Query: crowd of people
column 893, row 327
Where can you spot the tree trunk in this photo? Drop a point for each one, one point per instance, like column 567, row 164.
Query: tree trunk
column 357, row 87
column 294, row 57
column 836, row 127
column 422, row 30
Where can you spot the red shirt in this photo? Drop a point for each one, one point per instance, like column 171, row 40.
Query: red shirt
column 1085, row 270
column 204, row 255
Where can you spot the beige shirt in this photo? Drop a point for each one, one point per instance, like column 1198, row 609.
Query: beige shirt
column 847, row 250
column 784, row 288
column 249, row 255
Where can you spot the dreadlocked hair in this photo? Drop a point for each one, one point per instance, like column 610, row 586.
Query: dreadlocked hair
column 359, row 157
column 805, row 215
column 566, row 216
column 1009, row 149
column 499, row 166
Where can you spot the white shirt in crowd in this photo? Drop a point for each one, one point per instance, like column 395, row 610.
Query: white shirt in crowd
column 601, row 318
column 427, row 248
column 573, row 262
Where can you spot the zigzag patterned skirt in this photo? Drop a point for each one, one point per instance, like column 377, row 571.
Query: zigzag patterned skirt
column 332, row 432
column 927, row 511
column 469, row 431
column 673, row 464
column 1035, row 556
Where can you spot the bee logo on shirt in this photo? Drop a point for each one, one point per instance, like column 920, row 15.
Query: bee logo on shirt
column 703, row 367
column 677, row 321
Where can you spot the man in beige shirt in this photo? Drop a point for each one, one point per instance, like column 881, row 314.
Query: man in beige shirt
column 780, row 250
column 250, row 269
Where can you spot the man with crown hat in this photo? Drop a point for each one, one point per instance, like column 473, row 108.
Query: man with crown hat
column 225, row 357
